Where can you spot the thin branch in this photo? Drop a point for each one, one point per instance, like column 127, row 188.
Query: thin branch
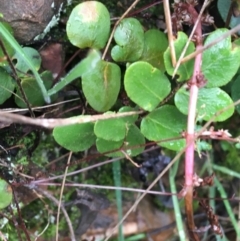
column 23, row 110
column 129, row 158
column 212, row 119
column 14, row 221
column 144, row 8
column 18, row 80
column 56, row 202
column 101, row 163
column 61, row 194
column 190, row 37
column 222, row 37
column 169, row 30
column 115, row 26
column 20, row 216
column 137, row 190
column 127, row 189
column 75, row 172
column 52, row 123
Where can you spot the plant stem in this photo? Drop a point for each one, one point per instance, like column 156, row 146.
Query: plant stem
column 228, row 207
column 117, row 181
column 177, row 209
column 207, row 46
column 169, row 30
column 11, row 40
column 115, row 26
column 189, row 154
column 17, row 79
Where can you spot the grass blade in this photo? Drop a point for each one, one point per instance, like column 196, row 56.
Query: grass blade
column 117, row 181
column 11, row 40
column 177, row 210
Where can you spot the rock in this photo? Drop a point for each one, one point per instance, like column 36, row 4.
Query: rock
column 29, row 18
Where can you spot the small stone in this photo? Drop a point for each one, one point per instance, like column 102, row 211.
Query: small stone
column 29, row 18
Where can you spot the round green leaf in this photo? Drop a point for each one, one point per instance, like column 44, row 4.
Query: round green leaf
column 7, row 45
column 33, row 56
column 111, row 129
column 89, row 25
column 221, row 61
column 146, row 85
column 133, row 144
column 109, row 146
column 164, row 123
column 77, row 137
column 32, row 91
column 235, row 92
column 101, row 86
column 129, row 36
column 210, row 101
column 185, row 70
column 135, row 141
column 5, row 194
column 155, row 43
column 7, row 85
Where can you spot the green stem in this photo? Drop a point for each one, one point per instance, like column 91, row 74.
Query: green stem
column 117, row 182
column 228, row 207
column 177, row 210
column 226, row 171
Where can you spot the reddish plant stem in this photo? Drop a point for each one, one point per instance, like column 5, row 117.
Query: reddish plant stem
column 189, row 154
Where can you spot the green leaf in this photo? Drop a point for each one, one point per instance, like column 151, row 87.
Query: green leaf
column 77, row 137
column 224, row 7
column 31, row 89
column 185, row 70
column 128, row 119
column 7, row 85
column 109, row 146
column 133, row 144
column 210, row 101
column 10, row 39
column 135, row 141
column 220, row 62
column 89, row 25
column 236, row 42
column 101, row 86
column 5, row 194
column 85, row 66
column 7, row 45
column 155, row 43
column 146, row 85
column 111, row 129
column 129, row 36
column 235, row 91
column 164, row 123
column 32, row 55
